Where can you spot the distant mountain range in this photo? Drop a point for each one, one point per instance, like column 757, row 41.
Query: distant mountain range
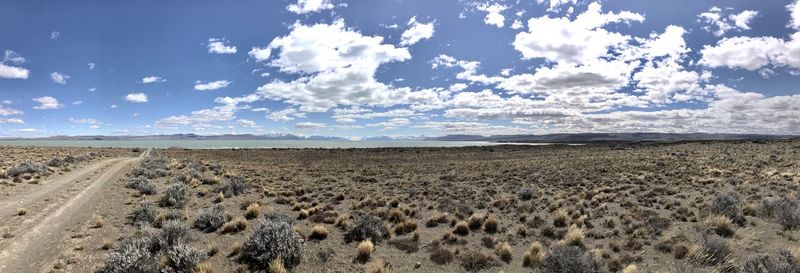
column 552, row 138
column 608, row 137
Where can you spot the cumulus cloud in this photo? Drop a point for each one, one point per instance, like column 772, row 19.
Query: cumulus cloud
column 794, row 9
column 494, row 14
column 136, row 97
column 752, row 53
column 198, row 85
column 417, row 31
column 153, row 79
column 310, row 125
column 573, row 41
column 218, row 46
column 59, row 78
column 307, row 6
column 46, row 102
column 719, row 21
column 390, row 124
column 337, row 65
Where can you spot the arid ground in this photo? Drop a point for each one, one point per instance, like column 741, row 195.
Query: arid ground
column 682, row 207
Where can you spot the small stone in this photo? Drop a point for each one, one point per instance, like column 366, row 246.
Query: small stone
column 417, row 265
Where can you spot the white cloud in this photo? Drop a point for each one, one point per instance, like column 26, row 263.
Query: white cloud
column 77, row 102
column 751, row 53
column 153, row 79
column 54, row 35
column 306, row 6
column 573, row 41
column 11, row 121
column 9, row 66
column 494, row 15
column 6, row 102
column 246, row 123
column 261, row 109
column 310, row 125
column 13, row 72
column 198, row 85
column 113, row 106
column 46, row 102
column 260, row 54
column 92, row 89
column 85, row 121
column 136, row 97
column 218, row 46
column 286, row 115
column 719, row 22
column 554, row 4
column 794, row 9
column 390, row 124
column 338, row 67
column 416, row 32
column 91, row 66
column 12, row 57
column 59, row 78
column 9, row 111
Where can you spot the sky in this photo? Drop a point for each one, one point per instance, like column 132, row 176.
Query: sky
column 357, row 69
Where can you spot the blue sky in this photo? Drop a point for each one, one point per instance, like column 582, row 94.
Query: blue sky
column 398, row 68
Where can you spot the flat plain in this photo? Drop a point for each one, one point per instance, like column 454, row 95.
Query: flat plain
column 678, row 207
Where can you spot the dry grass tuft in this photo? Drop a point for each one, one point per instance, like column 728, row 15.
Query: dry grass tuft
column 504, row 251
column 377, row 266
column 235, row 225
column 21, row 211
column 276, row 266
column 573, row 237
column 365, row 249
column 253, row 211
column 491, row 224
column 475, row 221
column 534, row 256
column 318, row 232
column 461, row 228
column 721, row 225
column 631, row 268
column 204, row 267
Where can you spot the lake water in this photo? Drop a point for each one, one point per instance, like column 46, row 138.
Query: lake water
column 226, row 144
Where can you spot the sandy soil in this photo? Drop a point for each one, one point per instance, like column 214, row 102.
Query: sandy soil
column 684, row 207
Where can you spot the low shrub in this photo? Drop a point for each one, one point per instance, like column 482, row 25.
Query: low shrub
column 270, row 240
column 729, row 205
column 209, row 220
column 367, row 227
column 175, row 196
column 144, row 214
column 27, row 167
column 569, row 259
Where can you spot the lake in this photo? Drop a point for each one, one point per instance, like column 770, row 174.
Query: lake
column 227, row 144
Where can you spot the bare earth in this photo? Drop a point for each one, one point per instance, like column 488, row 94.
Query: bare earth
column 58, row 204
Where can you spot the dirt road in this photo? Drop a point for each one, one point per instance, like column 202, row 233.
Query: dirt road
column 32, row 241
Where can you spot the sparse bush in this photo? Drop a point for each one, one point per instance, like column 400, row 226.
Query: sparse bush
column 209, row 220
column 143, row 185
column 270, row 240
column 27, row 167
column 785, row 210
column 534, row 256
column 764, row 263
column 133, row 255
column 367, row 227
column 525, row 194
column 491, row 224
column 277, row 217
column 441, row 256
column 173, row 232
column 167, row 215
column 181, row 258
column 378, row 266
column 176, row 196
column 253, row 210
column 573, row 237
column 569, row 259
column 474, row 260
column 144, row 214
column 55, row 162
column 233, row 186
column 729, row 205
column 713, row 251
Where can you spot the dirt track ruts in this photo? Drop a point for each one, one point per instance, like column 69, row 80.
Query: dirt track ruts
column 36, row 245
